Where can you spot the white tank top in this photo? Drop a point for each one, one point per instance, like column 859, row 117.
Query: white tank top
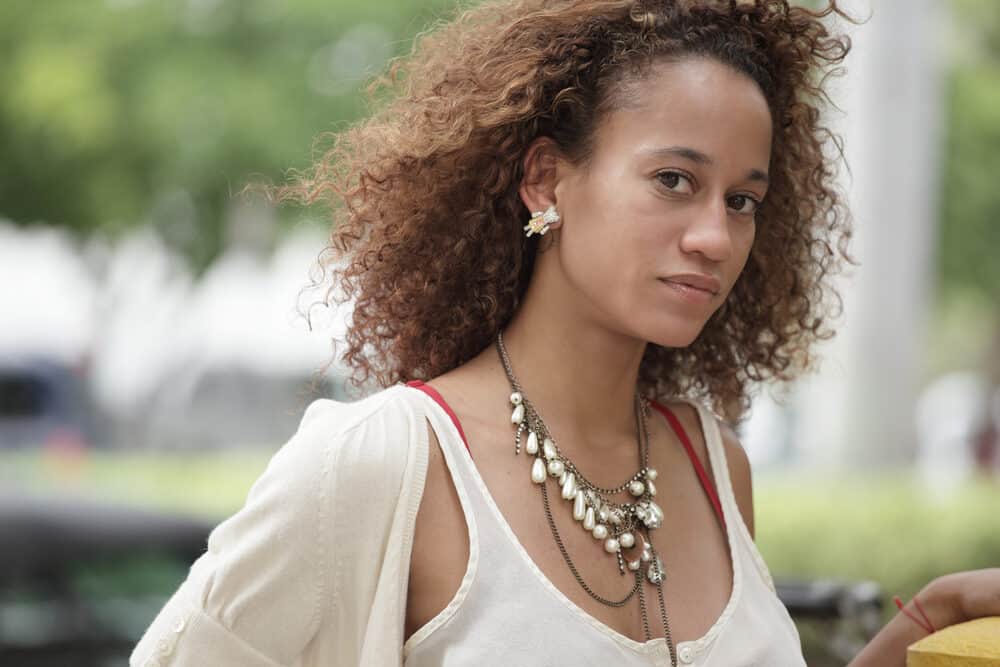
column 507, row 612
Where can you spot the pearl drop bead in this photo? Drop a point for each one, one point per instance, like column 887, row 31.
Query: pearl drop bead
column 636, row 488
column 602, row 514
column 516, row 398
column 651, row 487
column 549, row 449
column 600, row 531
column 634, row 564
column 556, row 467
column 588, row 519
column 651, row 473
column 517, row 416
column 532, row 445
column 569, row 486
column 627, row 540
column 538, row 471
column 611, row 545
column 579, row 507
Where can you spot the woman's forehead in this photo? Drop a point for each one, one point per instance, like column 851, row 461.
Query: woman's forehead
column 698, row 104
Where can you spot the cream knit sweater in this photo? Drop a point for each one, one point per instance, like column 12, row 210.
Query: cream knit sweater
column 313, row 569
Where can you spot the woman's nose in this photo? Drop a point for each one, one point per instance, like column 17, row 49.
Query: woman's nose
column 707, row 232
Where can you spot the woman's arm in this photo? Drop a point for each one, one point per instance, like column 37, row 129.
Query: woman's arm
column 254, row 598
column 888, row 648
column 308, row 564
column 953, row 598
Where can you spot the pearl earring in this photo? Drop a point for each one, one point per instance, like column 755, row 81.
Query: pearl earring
column 540, row 221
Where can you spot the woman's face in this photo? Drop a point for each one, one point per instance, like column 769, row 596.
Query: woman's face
column 669, row 193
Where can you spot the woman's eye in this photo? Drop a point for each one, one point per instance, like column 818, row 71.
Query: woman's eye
column 743, row 204
column 675, row 182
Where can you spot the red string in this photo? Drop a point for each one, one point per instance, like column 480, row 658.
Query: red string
column 929, row 627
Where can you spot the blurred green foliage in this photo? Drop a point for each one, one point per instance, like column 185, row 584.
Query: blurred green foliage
column 970, row 230
column 122, row 112
column 209, row 484
column 891, row 529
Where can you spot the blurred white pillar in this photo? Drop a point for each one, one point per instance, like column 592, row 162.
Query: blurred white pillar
column 858, row 411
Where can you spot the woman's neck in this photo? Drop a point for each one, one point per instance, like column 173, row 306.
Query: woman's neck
column 580, row 376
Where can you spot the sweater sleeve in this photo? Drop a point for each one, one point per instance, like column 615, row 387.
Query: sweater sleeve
column 257, row 596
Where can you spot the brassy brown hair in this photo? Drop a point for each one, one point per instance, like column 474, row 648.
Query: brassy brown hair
column 427, row 240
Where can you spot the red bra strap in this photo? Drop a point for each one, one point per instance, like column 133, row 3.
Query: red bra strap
column 698, row 468
column 433, row 393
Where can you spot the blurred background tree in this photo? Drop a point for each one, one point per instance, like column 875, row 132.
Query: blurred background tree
column 117, row 113
column 965, row 329
column 970, row 230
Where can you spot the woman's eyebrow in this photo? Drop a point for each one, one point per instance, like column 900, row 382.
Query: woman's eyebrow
column 698, row 157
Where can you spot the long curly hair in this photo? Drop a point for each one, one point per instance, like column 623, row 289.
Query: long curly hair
column 427, row 241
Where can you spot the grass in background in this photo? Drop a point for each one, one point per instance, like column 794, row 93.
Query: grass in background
column 209, row 484
column 887, row 529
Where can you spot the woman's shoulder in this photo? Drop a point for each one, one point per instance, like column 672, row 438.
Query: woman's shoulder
column 707, row 429
column 391, row 407
column 693, row 415
column 370, row 437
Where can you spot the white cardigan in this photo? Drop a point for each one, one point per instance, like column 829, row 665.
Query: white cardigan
column 313, row 570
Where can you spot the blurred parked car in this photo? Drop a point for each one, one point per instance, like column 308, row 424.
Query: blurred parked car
column 43, row 402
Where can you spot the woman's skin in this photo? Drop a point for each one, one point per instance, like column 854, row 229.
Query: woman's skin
column 670, row 188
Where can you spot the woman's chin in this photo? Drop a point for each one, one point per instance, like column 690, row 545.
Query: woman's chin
column 678, row 337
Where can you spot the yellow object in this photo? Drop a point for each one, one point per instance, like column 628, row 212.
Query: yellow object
column 971, row 644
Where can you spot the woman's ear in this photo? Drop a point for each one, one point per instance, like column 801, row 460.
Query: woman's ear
column 538, row 185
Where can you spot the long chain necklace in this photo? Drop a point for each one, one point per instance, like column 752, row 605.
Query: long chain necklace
column 617, row 525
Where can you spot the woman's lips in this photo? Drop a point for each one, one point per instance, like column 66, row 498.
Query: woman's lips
column 688, row 293
column 702, row 281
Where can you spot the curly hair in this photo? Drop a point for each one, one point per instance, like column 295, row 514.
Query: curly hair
column 427, row 241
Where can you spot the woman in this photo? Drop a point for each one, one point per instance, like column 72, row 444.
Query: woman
column 576, row 230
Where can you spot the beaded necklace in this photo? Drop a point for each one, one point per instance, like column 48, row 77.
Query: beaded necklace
column 617, row 525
